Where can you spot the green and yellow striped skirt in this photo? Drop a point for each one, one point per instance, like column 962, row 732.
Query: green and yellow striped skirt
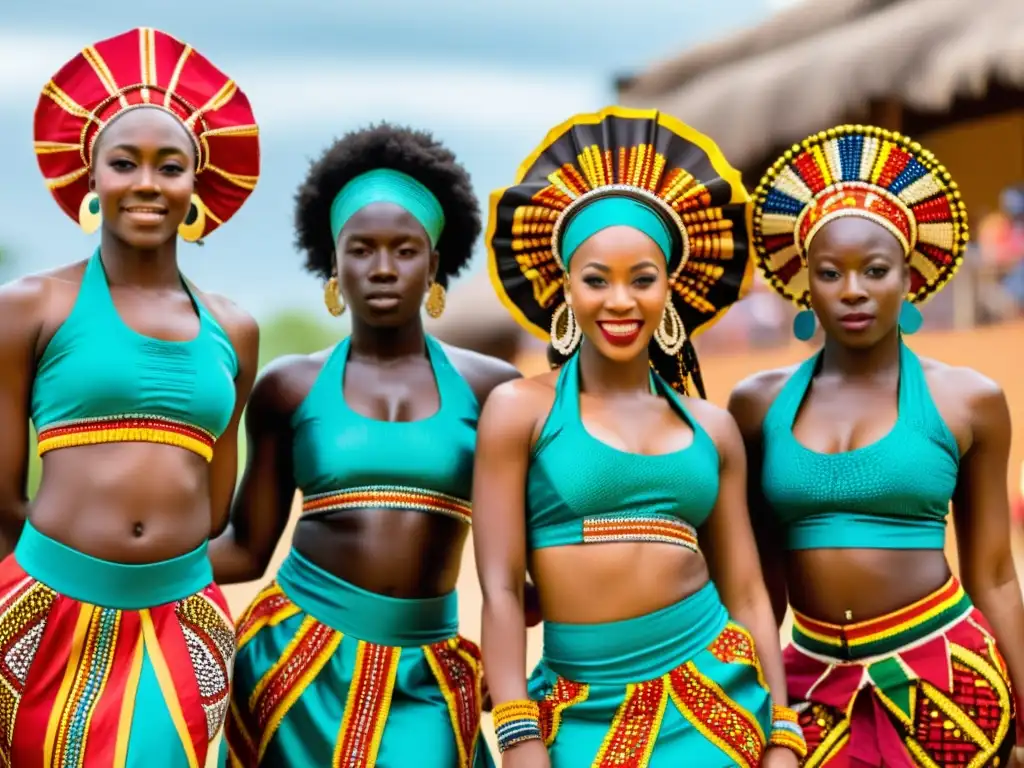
column 680, row 686
column 328, row 674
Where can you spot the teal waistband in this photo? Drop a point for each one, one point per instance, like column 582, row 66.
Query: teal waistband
column 128, row 587
column 365, row 615
column 639, row 649
column 854, row 530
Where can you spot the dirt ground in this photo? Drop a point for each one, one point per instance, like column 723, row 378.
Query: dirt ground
column 993, row 351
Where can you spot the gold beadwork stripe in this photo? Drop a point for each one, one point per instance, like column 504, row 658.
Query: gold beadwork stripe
column 650, row 528
column 390, row 497
column 126, row 429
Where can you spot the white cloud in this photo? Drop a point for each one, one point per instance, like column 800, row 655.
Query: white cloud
column 295, row 93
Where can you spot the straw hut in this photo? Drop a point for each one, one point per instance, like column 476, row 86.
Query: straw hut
column 948, row 72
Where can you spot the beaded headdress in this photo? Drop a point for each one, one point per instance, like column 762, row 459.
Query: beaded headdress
column 148, row 68
column 863, row 171
column 654, row 159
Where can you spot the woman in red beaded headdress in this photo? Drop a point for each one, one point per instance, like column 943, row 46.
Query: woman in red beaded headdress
column 116, row 646
column 860, row 451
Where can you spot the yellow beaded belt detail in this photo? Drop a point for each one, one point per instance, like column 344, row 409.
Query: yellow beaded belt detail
column 127, row 428
column 390, row 497
column 599, row 530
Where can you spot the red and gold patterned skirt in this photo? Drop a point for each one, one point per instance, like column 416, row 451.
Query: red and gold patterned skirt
column 924, row 686
column 105, row 665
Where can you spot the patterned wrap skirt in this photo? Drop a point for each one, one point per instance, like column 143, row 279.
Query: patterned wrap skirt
column 107, row 665
column 329, row 674
column 924, row 686
column 680, row 686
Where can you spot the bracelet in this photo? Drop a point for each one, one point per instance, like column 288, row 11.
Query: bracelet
column 786, row 731
column 515, row 722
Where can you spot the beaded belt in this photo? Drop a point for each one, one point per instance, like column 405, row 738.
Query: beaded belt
column 390, row 497
column 126, row 428
column 599, row 530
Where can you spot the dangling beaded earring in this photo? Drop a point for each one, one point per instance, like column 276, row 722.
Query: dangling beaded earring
column 333, row 299
column 805, row 324
column 910, row 318
column 670, row 333
column 565, row 340
column 192, row 228
column 89, row 217
column 436, row 300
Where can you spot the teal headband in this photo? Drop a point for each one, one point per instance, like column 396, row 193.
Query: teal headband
column 384, row 185
column 615, row 211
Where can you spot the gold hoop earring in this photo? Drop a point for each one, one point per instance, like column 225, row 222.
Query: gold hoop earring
column 670, row 333
column 333, row 299
column 192, row 228
column 565, row 339
column 436, row 300
column 89, row 216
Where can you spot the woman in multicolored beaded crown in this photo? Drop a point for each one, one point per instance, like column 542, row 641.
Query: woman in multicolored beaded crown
column 117, row 647
column 352, row 655
column 625, row 232
column 859, row 452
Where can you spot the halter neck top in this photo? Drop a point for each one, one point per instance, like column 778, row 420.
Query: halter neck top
column 891, row 494
column 345, row 460
column 99, row 381
column 580, row 490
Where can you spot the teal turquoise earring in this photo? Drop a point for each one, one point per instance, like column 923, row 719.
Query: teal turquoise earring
column 804, row 324
column 910, row 318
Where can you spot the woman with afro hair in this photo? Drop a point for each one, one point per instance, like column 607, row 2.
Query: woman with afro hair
column 351, row 655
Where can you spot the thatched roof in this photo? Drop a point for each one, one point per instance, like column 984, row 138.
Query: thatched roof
column 821, row 63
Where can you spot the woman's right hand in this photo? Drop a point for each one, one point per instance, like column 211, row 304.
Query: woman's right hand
column 526, row 754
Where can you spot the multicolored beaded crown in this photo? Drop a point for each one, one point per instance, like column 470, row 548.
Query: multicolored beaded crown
column 872, row 173
column 148, row 68
column 657, row 159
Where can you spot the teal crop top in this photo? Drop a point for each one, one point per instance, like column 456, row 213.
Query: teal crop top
column 99, row 381
column 580, row 490
column 345, row 460
column 891, row 494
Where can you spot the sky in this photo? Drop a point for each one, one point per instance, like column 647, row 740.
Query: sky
column 488, row 77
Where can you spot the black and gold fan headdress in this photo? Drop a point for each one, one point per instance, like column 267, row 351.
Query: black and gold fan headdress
column 657, row 160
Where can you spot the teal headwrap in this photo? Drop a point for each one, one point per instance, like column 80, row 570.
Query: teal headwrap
column 615, row 211
column 384, row 185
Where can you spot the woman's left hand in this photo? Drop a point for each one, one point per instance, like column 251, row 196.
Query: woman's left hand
column 1017, row 758
column 780, row 757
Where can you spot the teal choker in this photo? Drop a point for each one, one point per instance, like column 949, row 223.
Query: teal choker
column 615, row 211
column 384, row 185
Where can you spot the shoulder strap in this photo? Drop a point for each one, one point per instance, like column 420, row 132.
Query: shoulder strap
column 782, row 412
column 450, row 383
column 567, row 389
column 95, row 290
column 332, row 374
column 917, row 406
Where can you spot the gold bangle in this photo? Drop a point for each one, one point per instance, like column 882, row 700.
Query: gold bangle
column 517, row 709
column 787, row 714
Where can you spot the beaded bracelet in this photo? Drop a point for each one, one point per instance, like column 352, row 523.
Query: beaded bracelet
column 786, row 731
column 515, row 722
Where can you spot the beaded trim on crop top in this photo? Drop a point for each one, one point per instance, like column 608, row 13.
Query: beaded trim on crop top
column 99, row 381
column 126, row 428
column 390, row 497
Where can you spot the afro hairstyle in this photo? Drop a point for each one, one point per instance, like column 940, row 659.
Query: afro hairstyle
column 416, row 153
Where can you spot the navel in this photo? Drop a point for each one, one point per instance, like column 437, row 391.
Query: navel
column 138, row 529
